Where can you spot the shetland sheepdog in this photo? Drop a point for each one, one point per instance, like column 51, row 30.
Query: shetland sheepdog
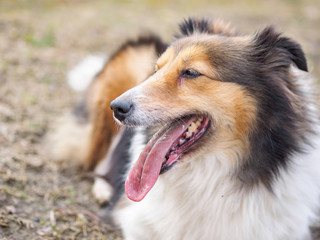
column 220, row 142
column 89, row 133
column 226, row 140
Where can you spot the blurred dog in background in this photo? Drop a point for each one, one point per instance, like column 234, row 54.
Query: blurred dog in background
column 86, row 134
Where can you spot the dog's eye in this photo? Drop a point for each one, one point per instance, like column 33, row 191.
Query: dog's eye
column 190, row 73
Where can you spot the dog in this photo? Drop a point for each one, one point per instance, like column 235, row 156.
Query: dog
column 88, row 135
column 222, row 140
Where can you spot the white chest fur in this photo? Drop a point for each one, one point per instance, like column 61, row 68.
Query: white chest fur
column 199, row 199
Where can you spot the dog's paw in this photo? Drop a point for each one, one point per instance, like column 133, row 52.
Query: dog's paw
column 102, row 191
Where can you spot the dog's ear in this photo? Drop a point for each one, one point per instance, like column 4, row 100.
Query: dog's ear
column 191, row 26
column 276, row 51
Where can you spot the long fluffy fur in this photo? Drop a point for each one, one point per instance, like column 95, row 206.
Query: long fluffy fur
column 269, row 191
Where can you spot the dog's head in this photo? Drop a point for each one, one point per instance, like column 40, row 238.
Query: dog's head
column 213, row 90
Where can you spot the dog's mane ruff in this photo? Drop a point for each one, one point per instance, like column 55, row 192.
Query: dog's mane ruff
column 283, row 125
column 192, row 26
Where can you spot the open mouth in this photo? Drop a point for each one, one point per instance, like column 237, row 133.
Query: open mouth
column 164, row 149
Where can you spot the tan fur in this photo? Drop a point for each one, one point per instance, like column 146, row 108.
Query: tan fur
column 234, row 109
column 219, row 27
column 127, row 69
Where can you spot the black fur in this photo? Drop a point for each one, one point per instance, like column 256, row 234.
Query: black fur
column 279, row 130
column 191, row 26
column 120, row 160
column 269, row 42
column 160, row 46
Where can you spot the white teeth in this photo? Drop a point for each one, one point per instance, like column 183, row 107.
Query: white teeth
column 192, row 127
column 188, row 134
column 173, row 149
column 181, row 141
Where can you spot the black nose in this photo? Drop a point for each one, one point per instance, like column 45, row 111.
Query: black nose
column 121, row 108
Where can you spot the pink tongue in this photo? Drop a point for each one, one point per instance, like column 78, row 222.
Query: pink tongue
column 146, row 170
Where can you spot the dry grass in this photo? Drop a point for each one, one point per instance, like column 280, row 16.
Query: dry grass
column 39, row 42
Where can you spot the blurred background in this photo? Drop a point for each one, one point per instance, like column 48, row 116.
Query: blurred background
column 40, row 41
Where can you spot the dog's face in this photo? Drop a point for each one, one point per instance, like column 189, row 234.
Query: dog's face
column 208, row 91
column 189, row 81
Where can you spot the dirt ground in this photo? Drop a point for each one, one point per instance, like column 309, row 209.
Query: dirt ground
column 40, row 40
